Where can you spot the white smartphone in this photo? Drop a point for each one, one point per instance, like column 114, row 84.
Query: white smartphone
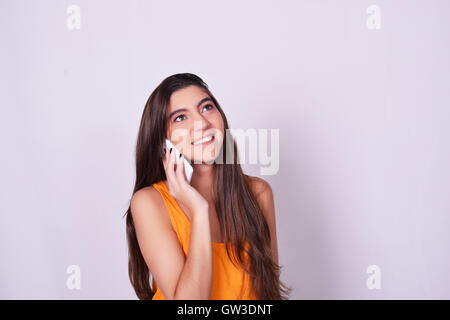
column 188, row 170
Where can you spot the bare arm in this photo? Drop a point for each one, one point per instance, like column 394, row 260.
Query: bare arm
column 196, row 278
column 264, row 195
column 177, row 276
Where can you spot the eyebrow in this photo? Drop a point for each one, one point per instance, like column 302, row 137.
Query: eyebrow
column 184, row 109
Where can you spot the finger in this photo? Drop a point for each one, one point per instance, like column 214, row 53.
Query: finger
column 171, row 165
column 165, row 158
column 164, row 155
column 180, row 168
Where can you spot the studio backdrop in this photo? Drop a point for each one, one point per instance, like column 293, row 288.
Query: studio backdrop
column 350, row 97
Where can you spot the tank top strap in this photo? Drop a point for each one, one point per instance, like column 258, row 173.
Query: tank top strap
column 164, row 191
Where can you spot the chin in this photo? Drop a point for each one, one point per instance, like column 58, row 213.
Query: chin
column 208, row 157
column 205, row 160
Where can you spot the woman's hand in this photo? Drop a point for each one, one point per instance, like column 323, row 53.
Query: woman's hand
column 178, row 185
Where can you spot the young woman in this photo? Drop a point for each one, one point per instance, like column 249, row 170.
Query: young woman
column 213, row 238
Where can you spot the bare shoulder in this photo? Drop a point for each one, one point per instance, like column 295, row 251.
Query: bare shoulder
column 146, row 191
column 158, row 242
column 144, row 196
column 260, row 187
column 264, row 195
column 148, row 201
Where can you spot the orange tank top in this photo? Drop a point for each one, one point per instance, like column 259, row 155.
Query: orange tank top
column 229, row 282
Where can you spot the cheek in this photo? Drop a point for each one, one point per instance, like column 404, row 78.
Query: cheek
column 217, row 121
column 219, row 127
column 180, row 137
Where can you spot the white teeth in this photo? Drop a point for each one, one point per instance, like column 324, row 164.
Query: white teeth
column 203, row 140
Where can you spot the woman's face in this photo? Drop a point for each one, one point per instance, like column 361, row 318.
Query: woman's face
column 192, row 117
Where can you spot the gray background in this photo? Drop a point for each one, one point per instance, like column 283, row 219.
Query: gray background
column 363, row 118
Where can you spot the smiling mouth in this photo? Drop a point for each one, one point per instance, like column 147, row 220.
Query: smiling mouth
column 204, row 141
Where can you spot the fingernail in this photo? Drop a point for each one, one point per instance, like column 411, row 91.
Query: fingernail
column 164, row 150
column 170, row 150
column 179, row 156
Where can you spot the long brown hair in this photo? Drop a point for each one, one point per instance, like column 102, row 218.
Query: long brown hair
column 244, row 221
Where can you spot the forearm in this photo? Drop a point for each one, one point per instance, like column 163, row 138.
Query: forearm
column 196, row 277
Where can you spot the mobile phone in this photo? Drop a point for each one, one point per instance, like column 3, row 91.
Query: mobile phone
column 188, row 170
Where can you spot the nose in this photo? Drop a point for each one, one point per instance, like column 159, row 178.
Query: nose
column 201, row 124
